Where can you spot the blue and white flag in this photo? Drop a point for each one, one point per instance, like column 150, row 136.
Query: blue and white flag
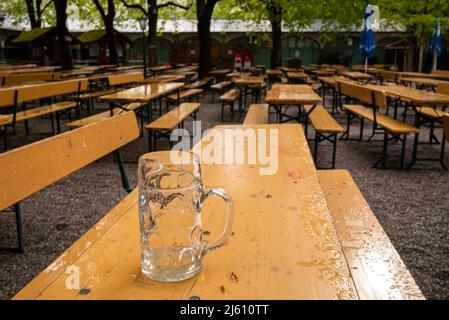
column 435, row 42
column 367, row 45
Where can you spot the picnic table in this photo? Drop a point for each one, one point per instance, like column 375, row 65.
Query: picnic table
column 417, row 99
column 238, row 74
column 296, row 77
column 284, row 244
column 159, row 69
column 145, row 94
column 251, row 84
column 423, row 83
column 285, row 96
column 165, row 78
column 218, row 73
column 357, row 76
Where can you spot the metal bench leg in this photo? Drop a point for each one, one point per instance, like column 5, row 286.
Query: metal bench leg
column 5, row 138
column 150, row 140
column 362, row 124
column 19, row 225
column 415, row 151
column 443, row 143
column 334, row 151
column 385, row 151
column 121, row 166
column 222, row 111
column 404, row 142
column 315, row 150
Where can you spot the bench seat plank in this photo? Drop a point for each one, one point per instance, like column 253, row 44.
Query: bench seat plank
column 172, row 118
column 103, row 115
column 390, row 124
column 432, row 112
column 37, row 112
column 221, row 85
column 322, row 121
column 257, row 114
column 230, row 95
column 376, row 267
column 184, row 94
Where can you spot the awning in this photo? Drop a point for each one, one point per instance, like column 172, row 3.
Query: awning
column 33, row 34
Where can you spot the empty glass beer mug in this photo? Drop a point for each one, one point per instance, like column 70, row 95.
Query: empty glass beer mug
column 171, row 197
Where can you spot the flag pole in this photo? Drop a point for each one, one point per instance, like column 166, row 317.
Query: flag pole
column 435, row 58
column 366, row 65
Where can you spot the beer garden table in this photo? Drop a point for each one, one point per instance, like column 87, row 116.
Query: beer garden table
column 251, row 84
column 291, row 95
column 357, row 76
column 416, row 98
column 145, row 94
column 422, row 82
column 283, row 246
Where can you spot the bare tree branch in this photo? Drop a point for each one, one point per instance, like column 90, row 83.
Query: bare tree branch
column 174, row 4
column 41, row 11
column 134, row 6
column 100, row 9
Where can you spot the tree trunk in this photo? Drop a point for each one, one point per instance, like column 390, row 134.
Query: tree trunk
column 34, row 21
column 275, row 13
column 152, row 33
column 109, row 24
column 204, row 16
column 63, row 56
column 421, row 54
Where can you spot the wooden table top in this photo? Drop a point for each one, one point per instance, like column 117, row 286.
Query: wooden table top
column 321, row 72
column 219, row 72
column 165, row 78
column 356, row 75
column 143, row 93
column 415, row 75
column 250, row 81
column 418, row 97
column 274, row 72
column 296, row 75
column 424, row 81
column 172, row 118
column 159, row 68
column 238, row 74
column 284, row 244
column 295, row 94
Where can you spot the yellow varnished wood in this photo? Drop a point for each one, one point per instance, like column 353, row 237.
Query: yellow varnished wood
column 44, row 90
column 143, row 93
column 257, row 114
column 172, row 118
column 120, row 79
column 296, row 94
column 284, row 245
column 104, row 115
column 184, row 94
column 30, row 168
column 7, row 97
column 322, row 121
column 376, row 268
column 230, row 95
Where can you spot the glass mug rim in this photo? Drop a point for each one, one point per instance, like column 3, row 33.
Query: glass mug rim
column 193, row 160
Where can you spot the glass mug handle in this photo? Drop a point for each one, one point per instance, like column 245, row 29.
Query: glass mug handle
column 229, row 217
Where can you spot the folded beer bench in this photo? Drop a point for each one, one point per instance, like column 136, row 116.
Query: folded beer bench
column 198, row 84
column 228, row 100
column 376, row 268
column 257, row 114
column 326, row 129
column 391, row 128
column 104, row 115
column 185, row 95
column 162, row 126
column 220, row 87
column 16, row 97
column 29, row 169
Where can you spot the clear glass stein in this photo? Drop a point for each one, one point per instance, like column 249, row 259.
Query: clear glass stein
column 171, row 197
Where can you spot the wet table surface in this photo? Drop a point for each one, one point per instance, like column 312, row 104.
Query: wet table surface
column 294, row 94
column 418, row 97
column 143, row 93
column 284, row 244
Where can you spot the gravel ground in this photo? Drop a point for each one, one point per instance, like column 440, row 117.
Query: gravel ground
column 411, row 205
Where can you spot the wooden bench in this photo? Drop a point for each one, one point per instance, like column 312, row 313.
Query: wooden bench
column 162, row 127
column 21, row 96
column 30, row 77
column 376, row 268
column 125, row 79
column 31, row 168
column 220, row 87
column 374, row 100
column 257, row 114
column 326, row 129
column 185, row 95
column 104, row 115
column 228, row 100
column 198, row 84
